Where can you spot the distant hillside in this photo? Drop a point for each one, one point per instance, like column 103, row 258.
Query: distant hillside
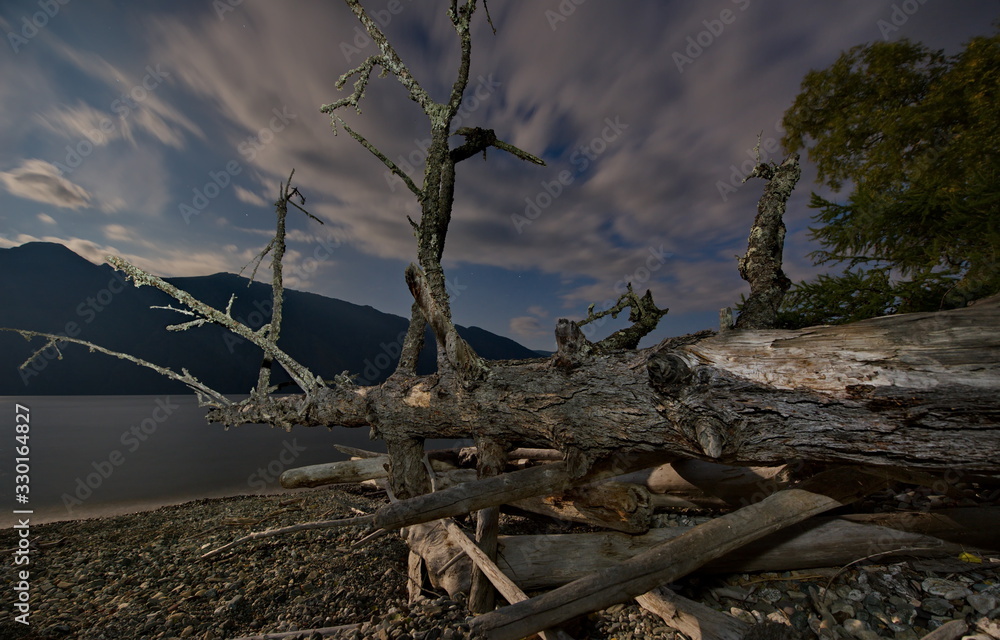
column 47, row 287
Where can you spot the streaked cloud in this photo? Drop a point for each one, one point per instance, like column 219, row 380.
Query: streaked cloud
column 41, row 181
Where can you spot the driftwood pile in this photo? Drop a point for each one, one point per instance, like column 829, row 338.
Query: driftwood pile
column 768, row 527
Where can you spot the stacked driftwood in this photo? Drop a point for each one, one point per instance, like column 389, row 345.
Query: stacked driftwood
column 620, row 511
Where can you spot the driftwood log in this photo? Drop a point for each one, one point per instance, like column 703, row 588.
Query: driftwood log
column 915, row 390
column 677, row 557
column 546, row 561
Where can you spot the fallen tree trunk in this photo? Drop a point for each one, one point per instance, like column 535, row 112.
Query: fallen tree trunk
column 916, row 390
column 545, row 561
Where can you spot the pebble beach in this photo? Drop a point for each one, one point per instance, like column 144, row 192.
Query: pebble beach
column 139, row 576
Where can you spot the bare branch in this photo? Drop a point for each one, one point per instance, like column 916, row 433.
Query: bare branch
column 383, row 158
column 206, row 395
column 390, row 60
column 644, row 316
column 306, row 380
column 364, row 72
column 478, row 139
column 304, row 526
column 461, row 17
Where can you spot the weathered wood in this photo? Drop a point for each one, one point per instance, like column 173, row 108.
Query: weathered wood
column 916, row 390
column 948, row 631
column 710, row 484
column 678, row 557
column 693, row 619
column 612, row 505
column 507, row 588
column 344, row 471
column 414, row 576
column 508, row 487
column 444, row 561
column 355, row 452
column 546, row 561
column 492, row 458
column 407, row 475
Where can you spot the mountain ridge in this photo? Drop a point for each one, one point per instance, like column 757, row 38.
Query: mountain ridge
column 95, row 303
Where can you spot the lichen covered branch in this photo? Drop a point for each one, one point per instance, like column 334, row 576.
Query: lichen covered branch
column 206, row 395
column 478, row 140
column 392, row 166
column 643, row 314
column 277, row 249
column 761, row 266
column 306, row 380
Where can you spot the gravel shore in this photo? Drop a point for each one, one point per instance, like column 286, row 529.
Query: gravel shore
column 139, row 577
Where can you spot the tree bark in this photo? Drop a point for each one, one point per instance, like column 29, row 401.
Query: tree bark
column 915, row 390
column 761, row 266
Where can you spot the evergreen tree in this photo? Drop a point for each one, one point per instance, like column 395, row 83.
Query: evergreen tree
column 914, row 135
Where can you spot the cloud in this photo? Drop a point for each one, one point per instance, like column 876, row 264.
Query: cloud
column 137, row 105
column 80, row 122
column 46, row 218
column 527, row 327
column 249, row 197
column 167, row 263
column 41, row 181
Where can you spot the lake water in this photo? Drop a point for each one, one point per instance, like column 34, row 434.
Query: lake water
column 102, row 455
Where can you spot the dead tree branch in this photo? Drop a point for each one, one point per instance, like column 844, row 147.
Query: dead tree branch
column 207, row 397
column 761, row 266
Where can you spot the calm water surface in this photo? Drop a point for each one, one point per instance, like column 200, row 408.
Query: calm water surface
column 98, row 455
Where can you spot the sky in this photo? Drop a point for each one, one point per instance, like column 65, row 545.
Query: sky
column 159, row 131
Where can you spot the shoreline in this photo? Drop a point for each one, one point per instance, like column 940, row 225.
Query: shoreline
column 56, row 514
column 138, row 575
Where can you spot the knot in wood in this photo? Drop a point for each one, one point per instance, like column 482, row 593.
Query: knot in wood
column 667, row 370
